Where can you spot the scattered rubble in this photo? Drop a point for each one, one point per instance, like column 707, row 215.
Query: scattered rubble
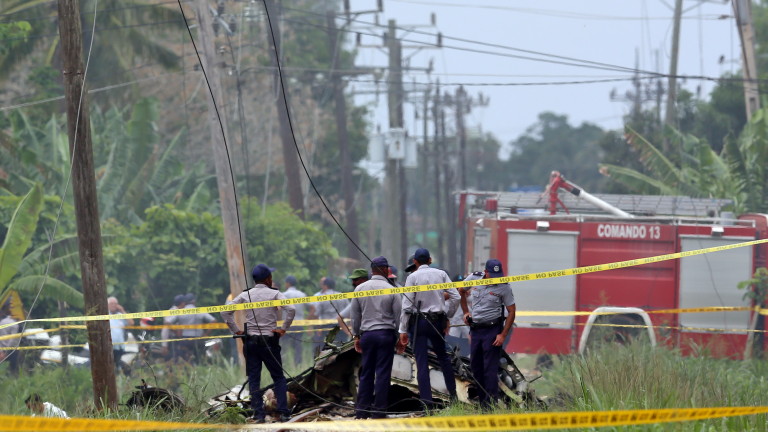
column 329, row 388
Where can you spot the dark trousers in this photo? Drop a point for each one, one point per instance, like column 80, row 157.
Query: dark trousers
column 265, row 350
column 484, row 362
column 375, row 372
column 431, row 332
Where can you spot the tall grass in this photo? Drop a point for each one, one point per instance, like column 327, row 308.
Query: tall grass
column 637, row 376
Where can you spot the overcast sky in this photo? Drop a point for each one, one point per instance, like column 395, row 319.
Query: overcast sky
column 611, row 32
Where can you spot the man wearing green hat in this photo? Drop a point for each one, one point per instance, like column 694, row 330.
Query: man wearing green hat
column 357, row 276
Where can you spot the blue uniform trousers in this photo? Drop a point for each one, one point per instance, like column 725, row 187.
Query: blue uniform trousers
column 375, row 372
column 432, row 332
column 265, row 350
column 484, row 362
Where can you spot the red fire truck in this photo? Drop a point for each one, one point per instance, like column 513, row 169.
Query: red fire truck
column 534, row 232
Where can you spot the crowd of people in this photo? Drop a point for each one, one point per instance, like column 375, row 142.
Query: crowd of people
column 382, row 325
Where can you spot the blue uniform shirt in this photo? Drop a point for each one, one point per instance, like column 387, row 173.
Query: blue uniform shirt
column 489, row 302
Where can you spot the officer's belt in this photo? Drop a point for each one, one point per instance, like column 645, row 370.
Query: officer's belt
column 433, row 316
column 492, row 323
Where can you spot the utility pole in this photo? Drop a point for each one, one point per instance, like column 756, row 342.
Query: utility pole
column 672, row 81
column 437, row 157
column 450, row 209
column 394, row 238
column 86, row 206
column 743, row 11
column 343, row 136
column 238, row 278
column 290, row 155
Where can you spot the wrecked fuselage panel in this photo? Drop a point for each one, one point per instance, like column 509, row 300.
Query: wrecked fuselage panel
column 331, row 383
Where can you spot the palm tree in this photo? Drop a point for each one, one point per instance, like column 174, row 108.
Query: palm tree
column 692, row 168
column 126, row 30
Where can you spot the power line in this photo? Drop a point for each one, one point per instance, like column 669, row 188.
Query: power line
column 555, row 13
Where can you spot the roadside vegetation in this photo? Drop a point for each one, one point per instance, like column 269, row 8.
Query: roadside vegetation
column 609, row 377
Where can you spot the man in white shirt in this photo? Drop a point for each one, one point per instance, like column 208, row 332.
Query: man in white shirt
column 35, row 404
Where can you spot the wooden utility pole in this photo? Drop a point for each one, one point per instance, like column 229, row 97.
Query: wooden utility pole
column 743, row 11
column 290, row 156
column 238, row 279
column 86, row 206
column 395, row 234
column 671, row 114
column 341, row 133
column 437, row 157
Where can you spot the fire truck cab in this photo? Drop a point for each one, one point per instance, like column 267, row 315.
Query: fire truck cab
column 516, row 228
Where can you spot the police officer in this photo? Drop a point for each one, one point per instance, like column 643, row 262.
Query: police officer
column 488, row 329
column 426, row 314
column 261, row 344
column 192, row 349
column 295, row 343
column 374, row 326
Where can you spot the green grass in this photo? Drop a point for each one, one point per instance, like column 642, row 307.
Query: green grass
column 612, row 377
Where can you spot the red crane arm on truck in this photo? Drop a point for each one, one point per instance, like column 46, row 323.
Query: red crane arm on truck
column 557, row 181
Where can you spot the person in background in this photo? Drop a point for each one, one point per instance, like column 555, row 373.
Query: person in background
column 357, row 277
column 328, row 309
column 325, row 310
column 35, row 404
column 374, row 326
column 192, row 348
column 166, row 333
column 261, row 345
column 11, row 356
column 488, row 329
column 425, row 316
column 295, row 343
column 117, row 328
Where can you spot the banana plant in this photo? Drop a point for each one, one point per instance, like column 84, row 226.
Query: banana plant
column 692, row 168
column 17, row 241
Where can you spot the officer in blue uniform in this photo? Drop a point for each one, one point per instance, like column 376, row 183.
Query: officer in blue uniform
column 425, row 316
column 374, row 327
column 488, row 329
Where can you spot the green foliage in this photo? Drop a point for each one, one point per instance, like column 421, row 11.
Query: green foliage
column 113, row 57
column 636, row 376
column 757, row 287
column 691, row 167
column 553, row 144
column 280, row 239
column 18, row 237
column 172, row 252
column 12, row 34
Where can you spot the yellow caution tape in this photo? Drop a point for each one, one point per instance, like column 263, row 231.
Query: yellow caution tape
column 408, row 289
column 470, row 423
column 57, row 347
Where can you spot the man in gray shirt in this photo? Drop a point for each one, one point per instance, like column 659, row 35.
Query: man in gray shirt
column 374, row 323
column 191, row 349
column 425, row 315
column 294, row 342
column 488, row 329
column 261, row 345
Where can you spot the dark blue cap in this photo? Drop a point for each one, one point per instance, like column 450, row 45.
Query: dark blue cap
column 422, row 255
column 189, row 298
column 179, row 299
column 379, row 262
column 291, row 279
column 261, row 272
column 494, row 268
